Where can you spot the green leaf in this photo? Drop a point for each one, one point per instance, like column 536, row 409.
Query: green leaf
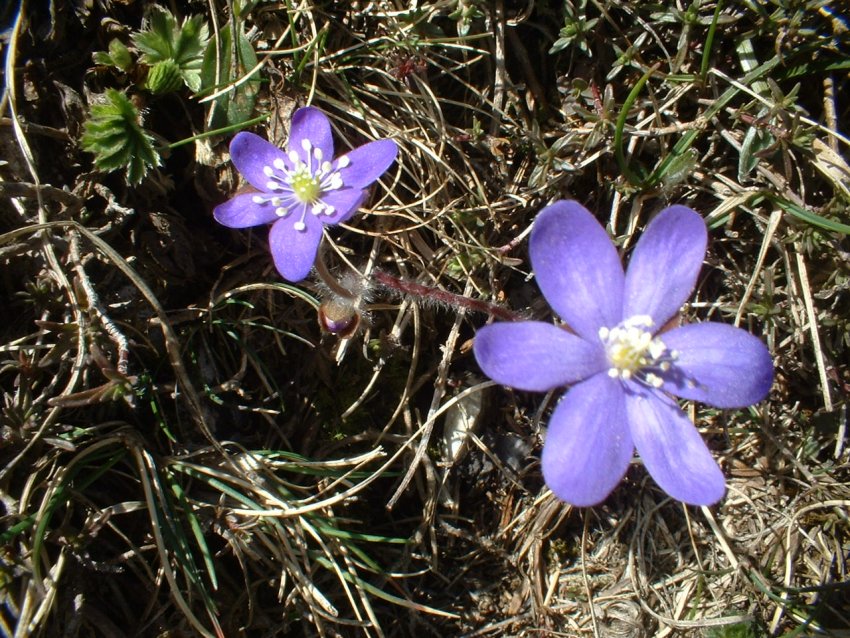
column 114, row 135
column 164, row 41
column 117, row 56
column 754, row 141
column 237, row 105
column 164, row 77
column 155, row 40
column 190, row 43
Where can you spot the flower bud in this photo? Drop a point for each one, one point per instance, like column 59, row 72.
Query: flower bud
column 339, row 316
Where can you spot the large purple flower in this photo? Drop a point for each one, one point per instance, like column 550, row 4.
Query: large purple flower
column 302, row 189
column 623, row 369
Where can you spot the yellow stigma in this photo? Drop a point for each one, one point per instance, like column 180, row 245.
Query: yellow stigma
column 304, row 186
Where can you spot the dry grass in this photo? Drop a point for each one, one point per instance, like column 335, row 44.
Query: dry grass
column 183, row 451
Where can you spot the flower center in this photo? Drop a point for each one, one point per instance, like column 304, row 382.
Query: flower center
column 634, row 353
column 303, row 187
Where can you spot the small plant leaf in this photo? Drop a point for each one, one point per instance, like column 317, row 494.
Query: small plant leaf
column 181, row 46
column 164, row 77
column 236, row 106
column 118, row 56
column 754, row 141
column 114, row 134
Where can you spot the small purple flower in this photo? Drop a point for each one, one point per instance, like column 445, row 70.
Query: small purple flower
column 623, row 369
column 302, row 189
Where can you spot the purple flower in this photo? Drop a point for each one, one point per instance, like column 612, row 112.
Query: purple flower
column 623, row 368
column 302, row 189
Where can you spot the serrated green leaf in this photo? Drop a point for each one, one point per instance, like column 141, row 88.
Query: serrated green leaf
column 116, row 138
column 109, row 141
column 165, row 42
column 102, row 127
column 155, row 40
column 152, row 48
column 164, row 77
column 191, row 42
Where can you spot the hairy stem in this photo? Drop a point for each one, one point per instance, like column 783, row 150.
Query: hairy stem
column 405, row 287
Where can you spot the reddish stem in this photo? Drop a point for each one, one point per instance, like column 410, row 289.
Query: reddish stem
column 437, row 295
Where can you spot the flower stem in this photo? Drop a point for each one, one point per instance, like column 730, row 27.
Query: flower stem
column 429, row 293
column 329, row 280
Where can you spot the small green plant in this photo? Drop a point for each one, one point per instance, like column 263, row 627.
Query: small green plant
column 118, row 56
column 174, row 51
column 464, row 14
column 739, row 630
column 576, row 26
column 114, row 134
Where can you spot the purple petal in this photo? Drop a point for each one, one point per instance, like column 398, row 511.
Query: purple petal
column 535, row 356
column 294, row 251
column 345, row 201
column 718, row 364
column 588, row 445
column 251, row 154
column 309, row 123
column 664, row 265
column 367, row 163
column 671, row 448
column 577, row 268
column 242, row 212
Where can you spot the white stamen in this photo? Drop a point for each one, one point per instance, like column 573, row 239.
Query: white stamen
column 268, row 171
column 654, row 380
column 300, row 226
column 635, row 353
column 278, row 164
column 343, row 161
column 258, row 199
column 317, row 153
column 306, row 144
column 273, row 186
column 294, row 158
